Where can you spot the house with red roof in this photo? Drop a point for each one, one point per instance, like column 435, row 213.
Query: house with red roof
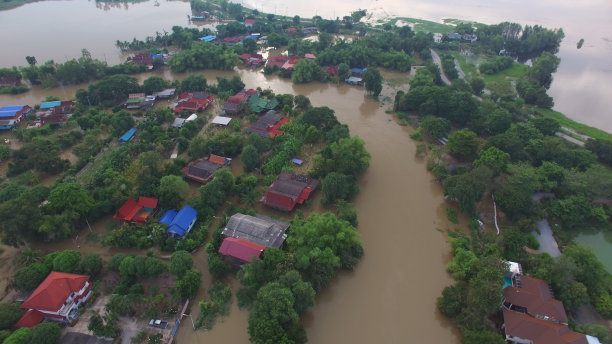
column 249, row 23
column 268, row 124
column 277, row 61
column 532, row 315
column 137, row 211
column 202, row 169
column 331, row 70
column 193, row 102
column 8, row 81
column 292, row 31
column 143, row 59
column 291, row 62
column 252, row 60
column 232, row 104
column 288, row 191
column 57, row 298
column 239, row 251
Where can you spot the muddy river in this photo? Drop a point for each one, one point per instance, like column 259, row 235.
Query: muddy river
column 402, row 218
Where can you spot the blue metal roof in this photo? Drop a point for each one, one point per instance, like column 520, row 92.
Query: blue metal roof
column 12, row 107
column 168, row 217
column 297, row 161
column 183, row 221
column 157, row 56
column 208, row 38
column 49, row 105
column 128, row 135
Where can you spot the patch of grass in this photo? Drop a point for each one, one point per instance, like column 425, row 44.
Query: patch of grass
column 219, row 305
column 501, row 87
column 518, row 70
column 578, row 127
column 469, row 69
column 394, row 82
column 427, row 25
column 451, row 214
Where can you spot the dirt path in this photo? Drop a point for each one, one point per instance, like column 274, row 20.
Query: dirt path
column 438, row 62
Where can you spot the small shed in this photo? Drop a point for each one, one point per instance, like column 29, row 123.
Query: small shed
column 128, row 135
column 221, row 120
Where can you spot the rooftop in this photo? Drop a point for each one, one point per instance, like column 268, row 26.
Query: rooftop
column 51, row 294
column 259, row 229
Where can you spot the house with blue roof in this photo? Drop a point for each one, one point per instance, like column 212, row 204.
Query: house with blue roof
column 208, row 39
column 179, row 223
column 128, row 135
column 50, row 105
column 10, row 116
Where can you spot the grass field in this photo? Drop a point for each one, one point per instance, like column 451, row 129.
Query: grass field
column 469, row 69
column 517, row 71
column 425, row 25
column 578, row 127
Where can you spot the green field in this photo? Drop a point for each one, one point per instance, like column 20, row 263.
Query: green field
column 517, row 71
column 425, row 25
column 579, row 127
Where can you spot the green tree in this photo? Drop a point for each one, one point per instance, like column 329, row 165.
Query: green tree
column 154, row 84
column 337, row 186
column 187, row 287
column 193, row 83
column 45, row 333
column 347, row 156
column 180, row 263
column 482, row 337
column 547, row 126
column 453, row 300
column 464, row 143
column 344, row 71
column 198, row 147
column 67, row 261
column 315, row 252
column 477, row 85
column 373, row 81
column 91, row 264
column 461, row 265
column 5, row 153
column 306, row 71
column 465, row 189
column 436, row 127
column 573, row 294
column 21, row 336
column 249, row 157
column 172, row 191
column 10, row 313
column 494, row 158
column 29, row 277
column 543, row 68
column 70, row 199
column 273, row 315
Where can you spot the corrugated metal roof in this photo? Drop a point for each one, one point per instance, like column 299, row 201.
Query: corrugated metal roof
column 49, row 105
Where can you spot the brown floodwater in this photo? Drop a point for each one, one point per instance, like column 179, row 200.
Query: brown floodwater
column 58, row 30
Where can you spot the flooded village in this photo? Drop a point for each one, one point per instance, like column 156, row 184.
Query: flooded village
column 269, row 178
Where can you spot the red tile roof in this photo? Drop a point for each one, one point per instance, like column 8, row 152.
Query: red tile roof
column 249, row 21
column 539, row 331
column 534, row 295
column 241, row 249
column 288, row 191
column 215, row 159
column 54, row 290
column 30, row 319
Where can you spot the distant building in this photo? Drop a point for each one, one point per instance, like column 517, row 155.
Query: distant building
column 9, row 81
column 259, row 104
column 202, row 169
column 291, row 62
column 310, row 30
column 277, row 61
column 209, row 39
column 258, row 229
column 57, row 298
column 331, row 70
column 137, row 211
column 288, row 191
column 10, row 116
column 179, row 224
column 268, row 124
column 248, row 23
column 193, row 102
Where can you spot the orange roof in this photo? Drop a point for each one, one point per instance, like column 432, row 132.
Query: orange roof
column 534, row 294
column 54, row 290
column 215, row 159
column 539, row 331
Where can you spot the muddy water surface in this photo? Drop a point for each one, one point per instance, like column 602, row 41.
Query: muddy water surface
column 391, row 296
